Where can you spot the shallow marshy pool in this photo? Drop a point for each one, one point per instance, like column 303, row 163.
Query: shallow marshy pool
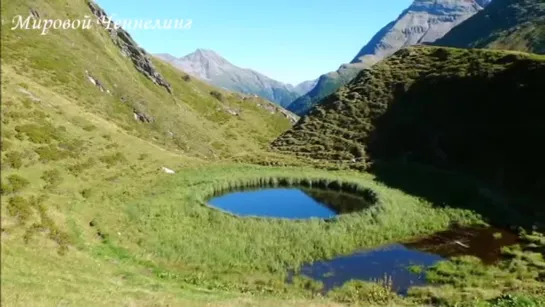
column 401, row 263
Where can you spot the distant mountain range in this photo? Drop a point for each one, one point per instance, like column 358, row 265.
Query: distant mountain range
column 216, row 70
column 424, row 21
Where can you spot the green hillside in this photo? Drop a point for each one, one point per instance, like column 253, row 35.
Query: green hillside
column 189, row 121
column 327, row 85
column 109, row 157
column 471, row 110
column 83, row 128
column 504, row 24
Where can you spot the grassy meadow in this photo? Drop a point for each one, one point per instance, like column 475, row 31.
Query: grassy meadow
column 89, row 217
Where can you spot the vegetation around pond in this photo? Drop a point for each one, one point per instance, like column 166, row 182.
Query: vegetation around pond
column 167, row 233
column 236, row 252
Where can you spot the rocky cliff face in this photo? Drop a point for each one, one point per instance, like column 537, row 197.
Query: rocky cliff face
column 130, row 48
column 424, row 21
column 216, row 70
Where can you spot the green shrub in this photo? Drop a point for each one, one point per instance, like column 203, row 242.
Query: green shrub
column 52, row 178
column 74, row 146
column 17, row 182
column 217, row 95
column 111, row 146
column 20, row 208
column 5, row 189
column 51, row 153
column 27, row 103
column 308, row 284
column 37, row 114
column 89, row 127
column 86, row 193
column 7, row 134
column 510, row 300
column 5, row 145
column 78, row 168
column 14, row 159
column 40, row 134
column 363, row 292
column 113, row 159
column 186, row 78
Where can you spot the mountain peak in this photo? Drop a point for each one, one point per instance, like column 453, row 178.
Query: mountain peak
column 202, row 54
column 208, row 65
column 207, row 52
column 450, row 3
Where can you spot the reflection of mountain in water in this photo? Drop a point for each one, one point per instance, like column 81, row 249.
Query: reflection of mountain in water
column 341, row 202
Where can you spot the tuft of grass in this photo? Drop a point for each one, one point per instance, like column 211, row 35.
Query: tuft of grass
column 113, row 159
column 20, row 208
column 217, row 95
column 39, row 134
column 359, row 292
column 86, row 193
column 13, row 159
column 416, row 269
column 52, row 178
column 51, row 153
column 80, row 167
column 17, row 183
column 497, row 235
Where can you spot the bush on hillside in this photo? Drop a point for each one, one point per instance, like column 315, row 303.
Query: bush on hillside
column 217, row 95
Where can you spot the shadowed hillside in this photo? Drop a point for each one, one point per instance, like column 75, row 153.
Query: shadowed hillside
column 504, row 24
column 476, row 111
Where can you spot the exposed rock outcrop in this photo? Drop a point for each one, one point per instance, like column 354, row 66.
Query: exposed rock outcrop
column 96, row 83
column 141, row 116
column 272, row 108
column 130, row 48
column 34, row 13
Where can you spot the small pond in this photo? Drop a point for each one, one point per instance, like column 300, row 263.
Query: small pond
column 289, row 202
column 395, row 260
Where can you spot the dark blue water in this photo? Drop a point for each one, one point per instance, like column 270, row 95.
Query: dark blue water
column 288, row 203
column 389, row 262
column 393, row 261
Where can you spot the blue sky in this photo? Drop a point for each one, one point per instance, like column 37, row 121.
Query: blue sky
column 287, row 40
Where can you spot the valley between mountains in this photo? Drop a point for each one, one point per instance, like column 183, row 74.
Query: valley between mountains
column 112, row 159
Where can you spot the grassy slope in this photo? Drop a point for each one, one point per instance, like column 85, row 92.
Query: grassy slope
column 327, row 85
column 73, row 148
column 504, row 24
column 200, row 124
column 78, row 171
column 450, row 108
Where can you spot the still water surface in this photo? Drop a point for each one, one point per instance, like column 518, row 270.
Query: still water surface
column 289, row 203
column 394, row 260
